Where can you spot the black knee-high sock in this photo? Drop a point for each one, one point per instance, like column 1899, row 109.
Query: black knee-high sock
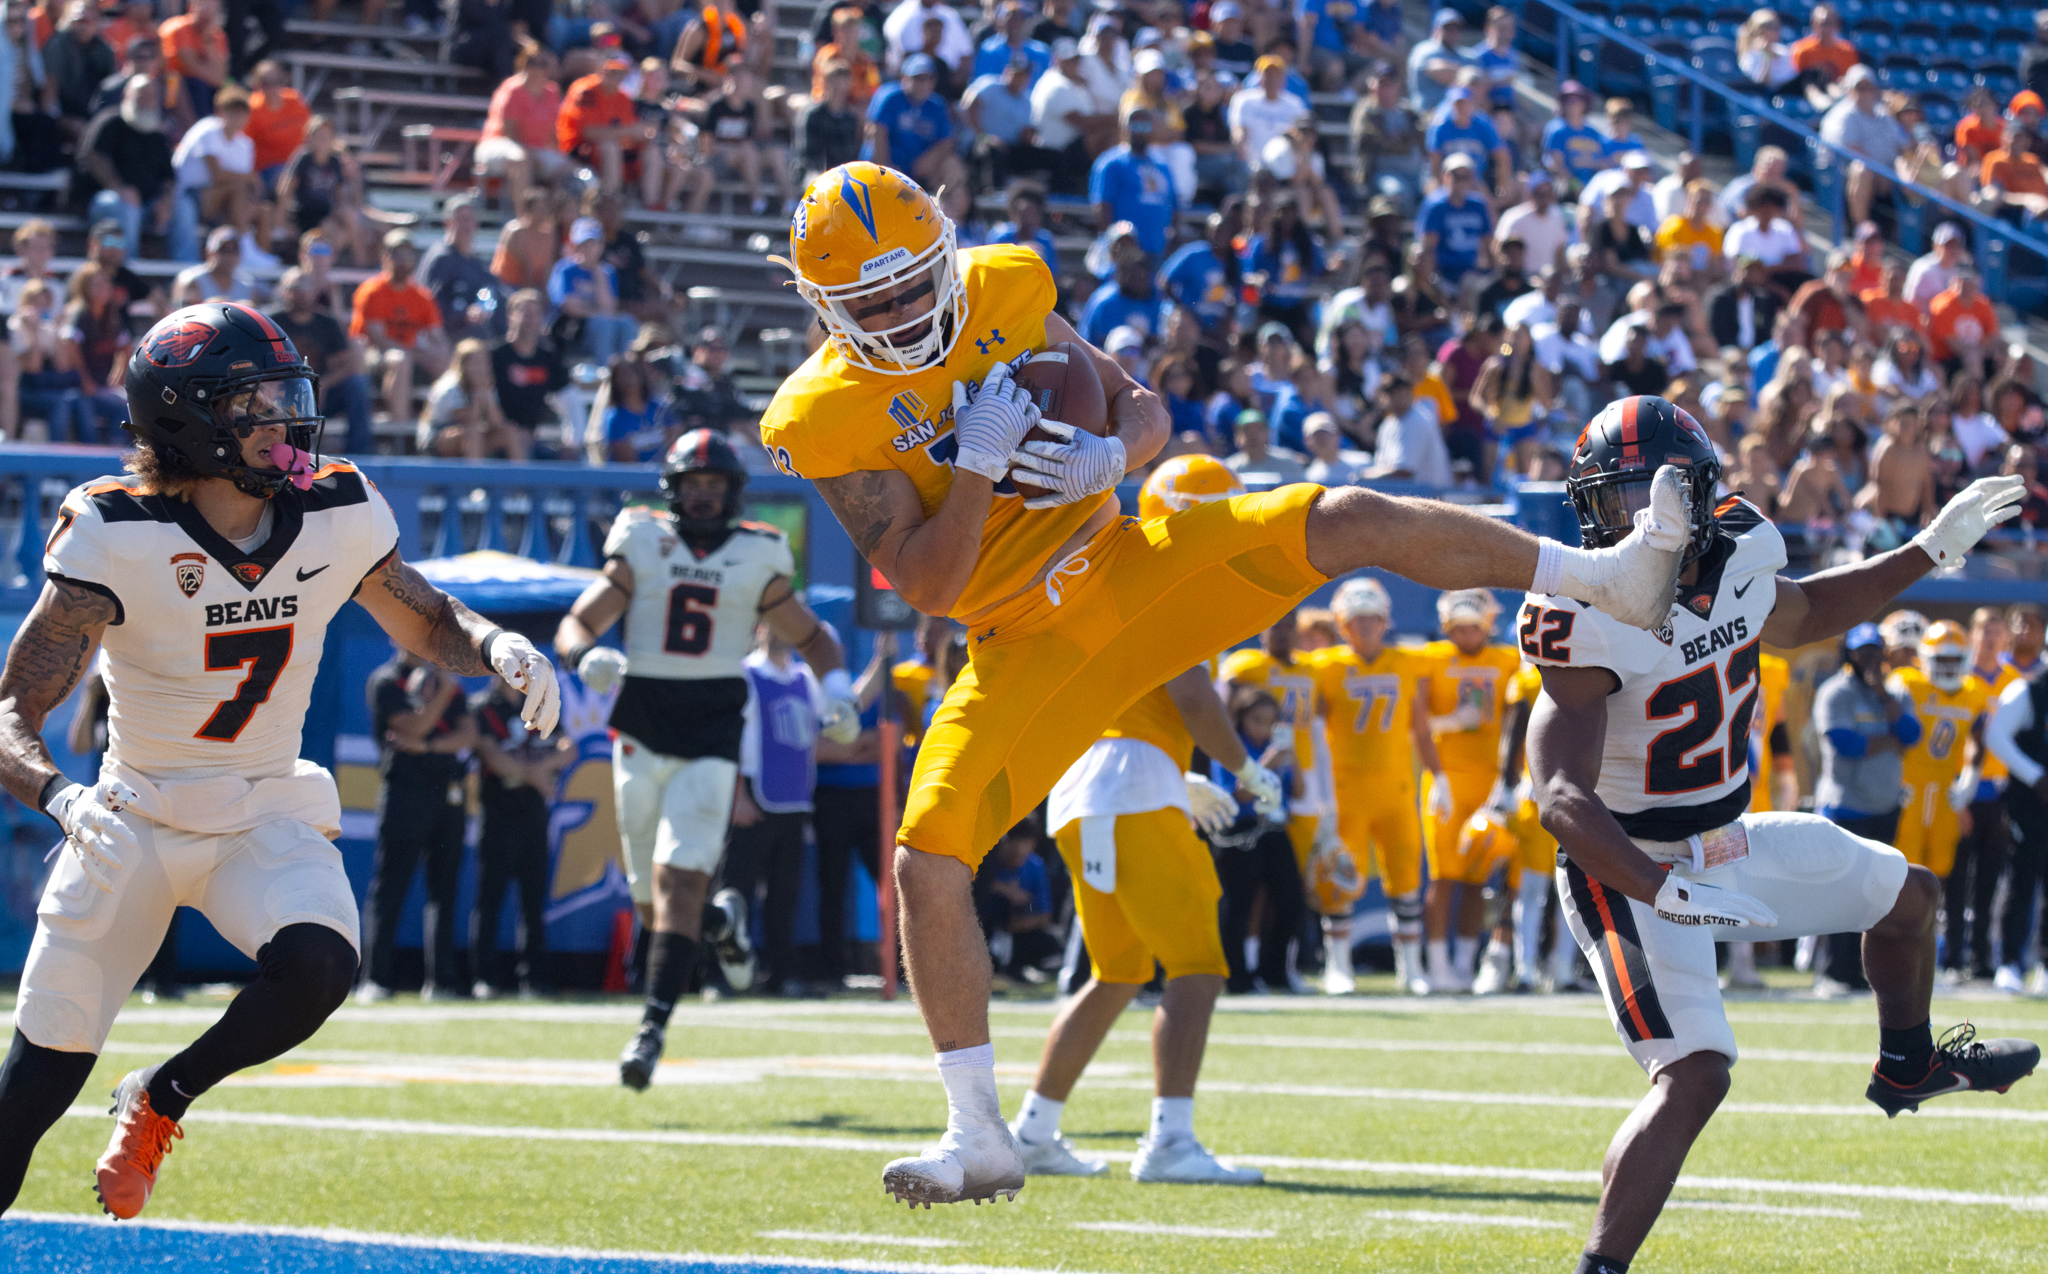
column 37, row 1085
column 303, row 975
column 670, row 958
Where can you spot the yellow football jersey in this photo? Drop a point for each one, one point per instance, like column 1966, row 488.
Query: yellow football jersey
column 1156, row 719
column 1774, row 674
column 1945, row 720
column 830, row 419
column 1293, row 684
column 1481, row 680
column 914, row 678
column 1994, row 687
column 1367, row 707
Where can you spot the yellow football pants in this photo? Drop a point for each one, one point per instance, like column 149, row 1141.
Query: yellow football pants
column 1301, row 833
column 1164, row 904
column 1376, row 821
column 1054, row 666
column 1928, row 828
column 1469, row 790
column 1535, row 849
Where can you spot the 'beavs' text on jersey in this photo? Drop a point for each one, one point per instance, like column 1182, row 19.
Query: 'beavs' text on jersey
column 830, row 419
column 211, row 656
column 1677, row 754
column 688, row 629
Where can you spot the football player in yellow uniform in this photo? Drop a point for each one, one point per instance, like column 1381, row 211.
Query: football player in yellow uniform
column 1145, row 889
column 1467, row 689
column 1533, row 869
column 1950, row 704
column 1281, row 666
column 1982, row 849
column 1902, row 631
column 1367, row 694
column 908, row 421
column 1772, row 786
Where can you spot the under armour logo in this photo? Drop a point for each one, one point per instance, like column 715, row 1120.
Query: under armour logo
column 995, row 337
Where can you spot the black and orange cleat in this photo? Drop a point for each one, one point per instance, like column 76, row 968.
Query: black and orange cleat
column 127, row 1172
column 1962, row 1063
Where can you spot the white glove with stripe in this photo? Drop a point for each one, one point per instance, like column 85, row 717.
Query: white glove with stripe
column 1074, row 468
column 1263, row 786
column 989, row 422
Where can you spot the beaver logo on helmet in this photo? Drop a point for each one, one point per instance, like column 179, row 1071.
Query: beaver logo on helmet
column 179, row 344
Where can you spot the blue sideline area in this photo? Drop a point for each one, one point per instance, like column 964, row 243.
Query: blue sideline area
column 88, row 1246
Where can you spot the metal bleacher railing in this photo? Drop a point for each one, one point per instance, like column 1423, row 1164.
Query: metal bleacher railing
column 1595, row 49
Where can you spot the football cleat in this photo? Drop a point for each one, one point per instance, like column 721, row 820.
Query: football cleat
column 126, row 1174
column 637, row 1063
column 732, row 942
column 978, row 1161
column 1056, row 1158
column 1338, row 977
column 372, row 993
column 1182, row 1160
column 2008, row 980
column 1962, row 1063
column 1496, row 971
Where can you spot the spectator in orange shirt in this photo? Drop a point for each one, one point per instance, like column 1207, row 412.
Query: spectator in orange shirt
column 1978, row 132
column 1886, row 306
column 1825, row 52
column 847, row 25
column 197, row 48
column 277, row 121
column 519, row 131
column 1866, row 259
column 2014, row 185
column 1962, row 328
column 398, row 320
column 600, row 126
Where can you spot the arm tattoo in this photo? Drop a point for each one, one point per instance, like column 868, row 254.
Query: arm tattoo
column 861, row 501
column 453, row 633
column 49, row 656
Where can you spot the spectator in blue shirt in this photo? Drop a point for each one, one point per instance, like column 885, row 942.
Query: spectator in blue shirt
column 1377, row 32
column 1464, row 131
column 1455, row 226
column 636, row 423
column 1026, row 225
column 1325, row 30
column 1201, row 276
column 1127, row 300
column 1012, row 39
column 1496, row 56
column 1013, row 899
column 1129, row 184
column 1297, row 400
column 908, row 127
column 585, row 286
column 1572, row 149
column 998, row 109
column 1284, row 263
column 1434, row 64
column 1621, row 127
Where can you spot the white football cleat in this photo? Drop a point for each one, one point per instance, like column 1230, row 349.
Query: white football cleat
column 979, row 1161
column 2008, row 980
column 1185, row 1161
column 1495, row 970
column 1056, row 1158
column 1338, row 979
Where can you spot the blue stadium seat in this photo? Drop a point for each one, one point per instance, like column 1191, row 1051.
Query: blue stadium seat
column 1985, row 15
column 1942, row 115
column 1942, row 15
column 1714, row 56
column 1875, row 43
column 1965, row 48
column 2000, row 78
column 1921, row 44
column 2005, row 49
column 1896, row 12
column 1639, row 21
column 1902, row 74
column 1851, row 12
column 1951, row 79
column 1726, row 22
column 1683, row 26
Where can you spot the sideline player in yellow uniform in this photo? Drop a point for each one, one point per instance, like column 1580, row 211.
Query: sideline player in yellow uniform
column 1366, row 694
column 1145, row 889
column 1950, row 704
column 909, row 423
column 1510, row 813
column 1981, row 851
column 1467, row 689
column 1773, row 785
column 1280, row 664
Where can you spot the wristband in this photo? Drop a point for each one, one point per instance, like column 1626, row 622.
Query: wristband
column 56, row 783
column 836, row 684
column 574, row 658
column 484, row 646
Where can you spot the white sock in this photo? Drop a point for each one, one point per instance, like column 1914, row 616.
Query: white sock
column 1439, row 957
column 969, row 1075
column 1530, row 898
column 1742, row 959
column 1464, row 955
column 1173, row 1117
column 1549, row 567
column 1038, row 1120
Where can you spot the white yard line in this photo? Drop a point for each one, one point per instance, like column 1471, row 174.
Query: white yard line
column 1763, row 1209
column 883, row 1240
column 419, row 1242
column 1172, row 1231
column 1466, row 1218
column 877, row 1145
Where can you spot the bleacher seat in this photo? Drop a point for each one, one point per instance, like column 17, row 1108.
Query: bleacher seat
column 1726, row 22
column 1851, row 12
column 1875, row 43
column 1921, row 44
column 2000, row 78
column 1683, row 24
column 1714, row 56
column 1950, row 79
column 1982, row 14
column 1942, row 15
column 1941, row 114
column 1902, row 74
column 2006, row 47
column 1896, row 12
column 1965, row 48
column 1638, row 21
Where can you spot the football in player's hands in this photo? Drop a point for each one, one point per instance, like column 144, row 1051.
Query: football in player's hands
column 601, row 667
column 989, row 420
column 1691, row 902
column 1063, row 384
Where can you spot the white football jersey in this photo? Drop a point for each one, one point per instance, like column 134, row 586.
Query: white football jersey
column 211, row 655
column 1677, row 754
column 692, row 617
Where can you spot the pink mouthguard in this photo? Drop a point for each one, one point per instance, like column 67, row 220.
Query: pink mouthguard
column 299, row 464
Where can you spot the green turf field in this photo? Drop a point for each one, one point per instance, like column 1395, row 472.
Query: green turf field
column 1396, row 1135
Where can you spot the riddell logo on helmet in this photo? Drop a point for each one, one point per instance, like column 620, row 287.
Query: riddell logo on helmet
column 887, row 260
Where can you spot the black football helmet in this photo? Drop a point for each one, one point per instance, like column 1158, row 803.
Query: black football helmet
column 703, row 451
column 1618, row 454
column 208, row 376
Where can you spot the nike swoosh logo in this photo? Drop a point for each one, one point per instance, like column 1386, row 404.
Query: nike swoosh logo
column 306, row 575
column 181, row 1092
column 1743, row 588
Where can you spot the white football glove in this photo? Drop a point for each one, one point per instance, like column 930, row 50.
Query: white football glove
column 92, row 829
column 1078, row 466
column 1688, row 902
column 840, row 722
column 1969, row 516
column 1282, row 737
column 1209, row 805
column 1501, row 800
column 1439, row 794
column 1264, row 786
column 1964, row 789
column 527, row 670
column 1467, row 716
column 601, row 667
column 990, row 421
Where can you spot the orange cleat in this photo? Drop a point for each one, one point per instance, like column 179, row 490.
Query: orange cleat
column 127, row 1172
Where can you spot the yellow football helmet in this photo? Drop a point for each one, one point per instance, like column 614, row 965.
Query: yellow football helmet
column 1902, row 628
column 1184, row 482
column 1944, row 653
column 1486, row 837
column 862, row 231
column 1334, row 882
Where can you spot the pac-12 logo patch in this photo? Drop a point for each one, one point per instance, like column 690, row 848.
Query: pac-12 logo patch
column 178, row 345
column 190, row 569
